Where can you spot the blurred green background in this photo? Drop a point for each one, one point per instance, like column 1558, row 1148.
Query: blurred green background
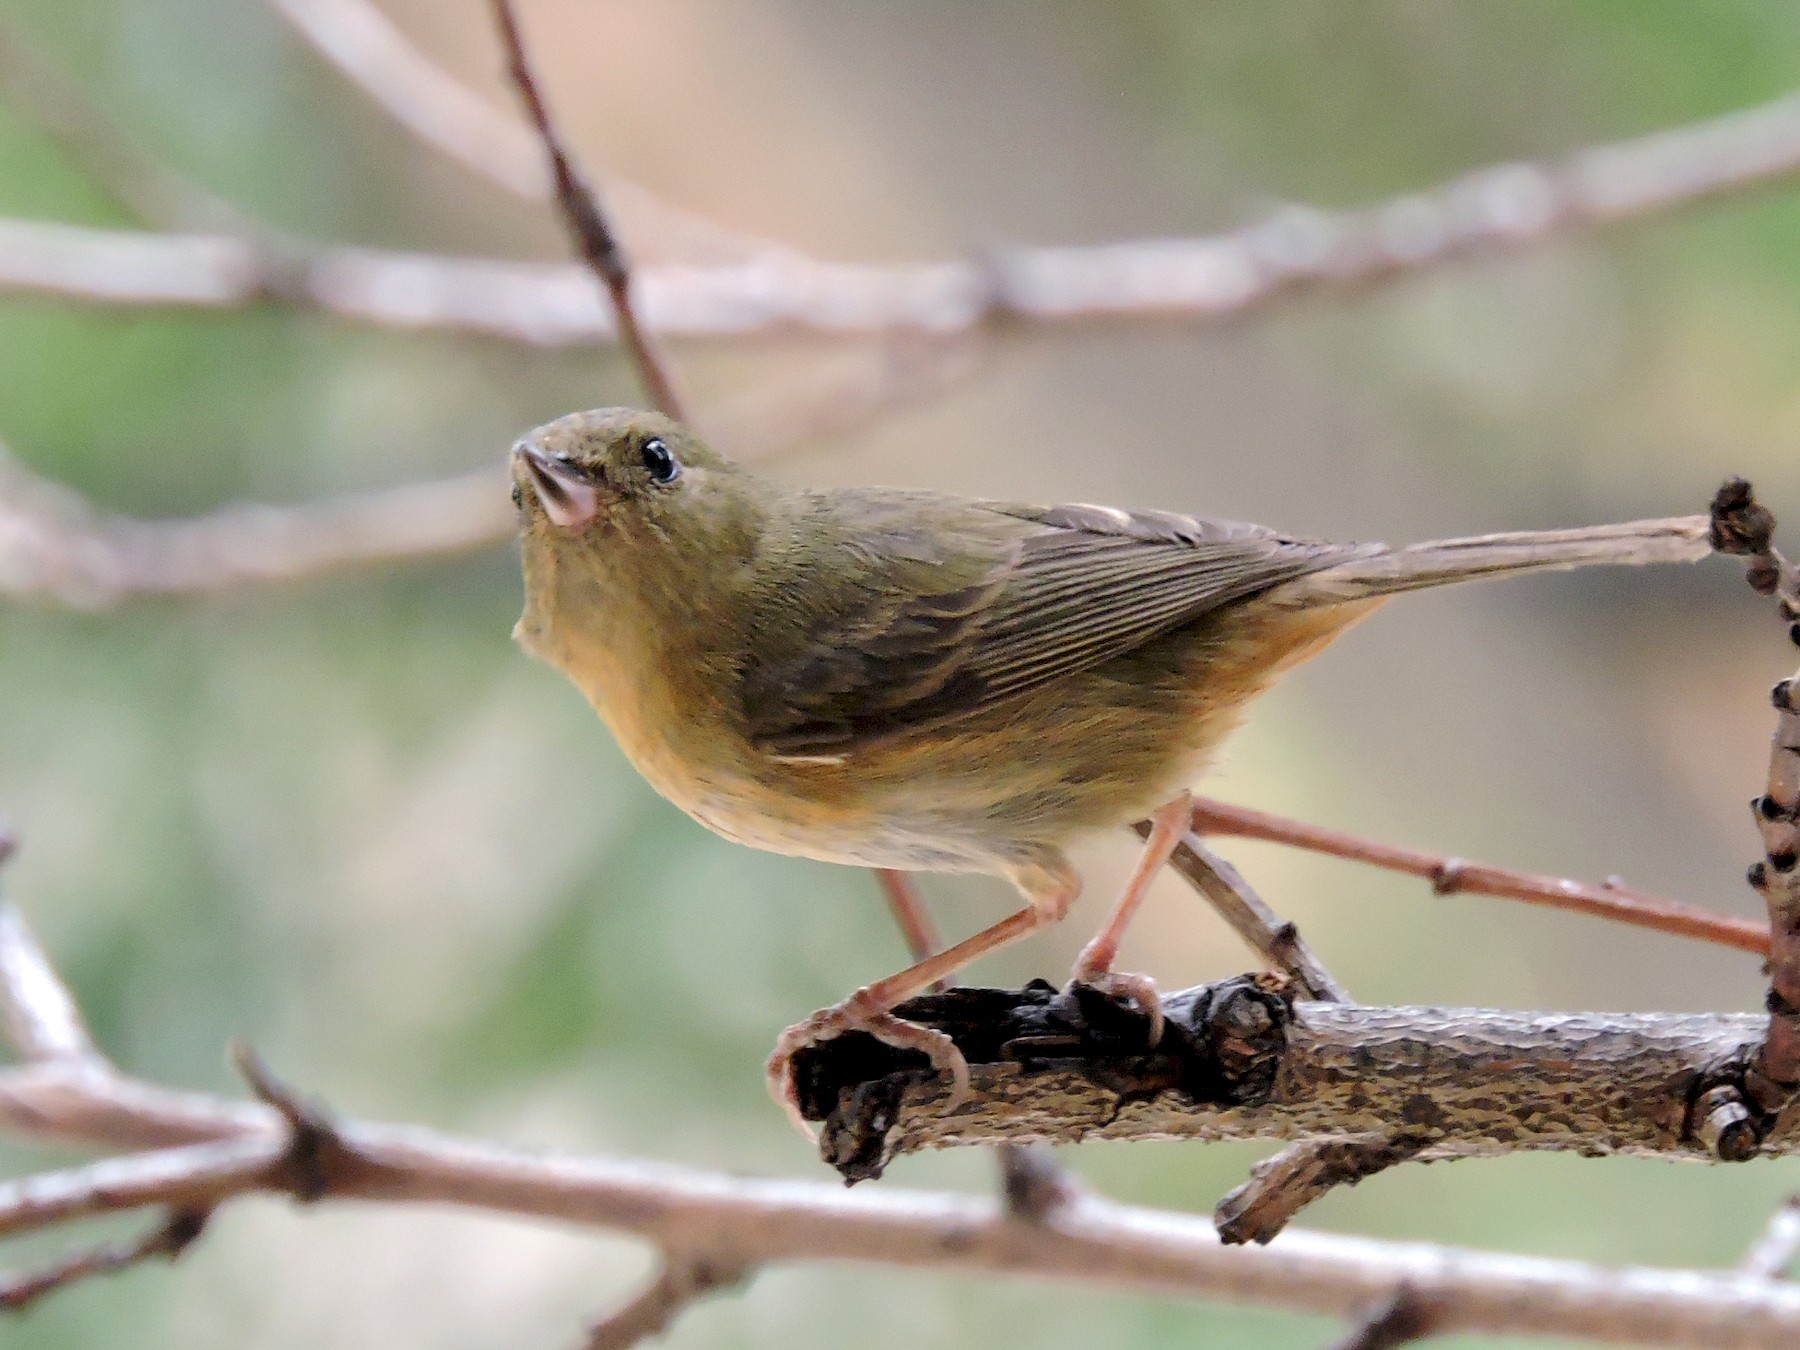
column 349, row 820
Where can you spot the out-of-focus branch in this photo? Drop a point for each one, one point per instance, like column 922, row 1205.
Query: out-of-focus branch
column 1397, row 1321
column 1449, row 876
column 152, row 192
column 166, row 1241
column 1775, row 1248
column 55, row 549
column 680, row 1282
column 208, row 1150
column 589, row 230
column 38, row 1018
column 1295, row 251
column 368, row 49
column 58, row 549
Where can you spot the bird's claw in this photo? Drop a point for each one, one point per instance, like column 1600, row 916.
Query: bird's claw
column 857, row 1014
column 1139, row 990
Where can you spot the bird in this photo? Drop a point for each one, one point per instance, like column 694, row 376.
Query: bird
column 910, row 680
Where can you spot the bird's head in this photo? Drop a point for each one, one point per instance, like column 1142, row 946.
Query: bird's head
column 625, row 515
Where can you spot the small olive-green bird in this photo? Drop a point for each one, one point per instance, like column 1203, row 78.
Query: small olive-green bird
column 910, row 680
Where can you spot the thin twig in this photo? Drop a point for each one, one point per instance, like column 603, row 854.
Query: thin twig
column 168, row 1240
column 1296, row 251
column 1773, row 1252
column 1281, row 1186
column 683, row 1280
column 588, row 227
column 1449, row 875
column 1275, row 939
column 1396, row 1321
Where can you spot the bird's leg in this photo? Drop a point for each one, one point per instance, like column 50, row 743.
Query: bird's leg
column 1094, row 965
column 1051, row 889
column 910, row 916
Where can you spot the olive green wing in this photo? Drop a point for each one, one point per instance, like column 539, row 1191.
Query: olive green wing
column 923, row 609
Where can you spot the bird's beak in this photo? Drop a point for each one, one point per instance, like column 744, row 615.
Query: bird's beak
column 570, row 499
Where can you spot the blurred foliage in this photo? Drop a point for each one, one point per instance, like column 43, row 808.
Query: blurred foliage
column 349, row 820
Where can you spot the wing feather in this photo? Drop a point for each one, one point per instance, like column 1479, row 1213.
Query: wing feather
column 943, row 608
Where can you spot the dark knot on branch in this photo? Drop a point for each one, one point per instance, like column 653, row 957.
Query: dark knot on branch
column 1221, row 1045
column 1741, row 525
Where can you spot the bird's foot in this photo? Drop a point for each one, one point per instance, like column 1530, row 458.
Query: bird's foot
column 860, row 1013
column 1139, row 990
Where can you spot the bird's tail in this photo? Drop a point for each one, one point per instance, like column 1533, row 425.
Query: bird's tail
column 1386, row 571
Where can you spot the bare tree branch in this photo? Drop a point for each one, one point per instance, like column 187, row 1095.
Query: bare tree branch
column 1397, row 1321
column 57, row 549
column 1275, row 939
column 1773, row 1252
column 1281, row 1186
column 1296, row 251
column 1090, row 1241
column 166, row 1241
column 683, row 1280
column 1451, row 876
column 589, row 229
column 1242, row 1060
column 153, row 193
column 1742, row 526
column 365, row 46
column 208, row 1150
column 38, row 1015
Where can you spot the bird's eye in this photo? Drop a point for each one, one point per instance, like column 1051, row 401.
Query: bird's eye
column 518, row 495
column 659, row 463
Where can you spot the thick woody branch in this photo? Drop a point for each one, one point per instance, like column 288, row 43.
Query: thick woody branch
column 1242, row 1060
column 1296, row 251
